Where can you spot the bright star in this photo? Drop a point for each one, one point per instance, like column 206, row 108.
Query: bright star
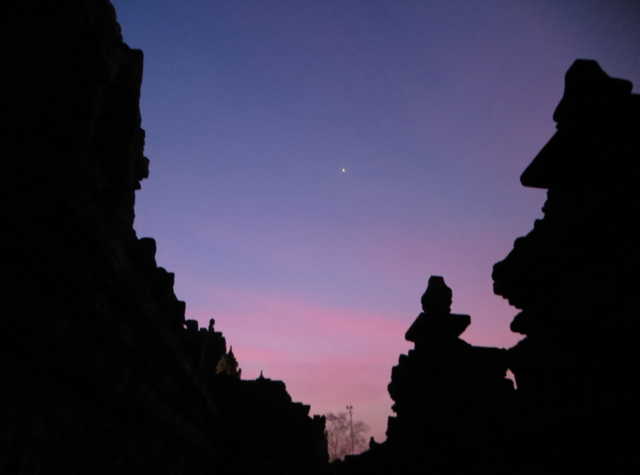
column 343, row 170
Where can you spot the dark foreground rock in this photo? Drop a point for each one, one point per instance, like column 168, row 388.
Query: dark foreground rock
column 575, row 279
column 98, row 373
column 453, row 402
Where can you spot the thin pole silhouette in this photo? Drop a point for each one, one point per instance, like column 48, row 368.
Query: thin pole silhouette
column 350, row 409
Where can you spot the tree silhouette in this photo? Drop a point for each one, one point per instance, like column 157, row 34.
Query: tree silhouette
column 344, row 435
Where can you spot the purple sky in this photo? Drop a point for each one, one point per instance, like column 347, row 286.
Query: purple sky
column 433, row 108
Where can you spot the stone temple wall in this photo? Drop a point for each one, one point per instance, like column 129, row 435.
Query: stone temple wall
column 574, row 278
column 94, row 375
column 100, row 372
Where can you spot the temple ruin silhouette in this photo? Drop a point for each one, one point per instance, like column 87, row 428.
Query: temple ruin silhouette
column 102, row 374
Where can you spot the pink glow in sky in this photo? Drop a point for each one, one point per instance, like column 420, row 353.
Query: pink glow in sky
column 252, row 109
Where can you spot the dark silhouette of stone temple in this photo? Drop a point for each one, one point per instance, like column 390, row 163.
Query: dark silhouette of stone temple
column 98, row 373
column 575, row 280
column 261, row 419
column 447, row 392
column 453, row 402
column 101, row 374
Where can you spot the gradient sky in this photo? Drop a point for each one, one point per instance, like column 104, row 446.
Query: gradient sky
column 433, row 108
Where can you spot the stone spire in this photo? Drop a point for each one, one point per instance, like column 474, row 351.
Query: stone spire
column 437, row 324
column 229, row 365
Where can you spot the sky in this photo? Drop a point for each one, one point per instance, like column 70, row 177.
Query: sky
column 313, row 162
